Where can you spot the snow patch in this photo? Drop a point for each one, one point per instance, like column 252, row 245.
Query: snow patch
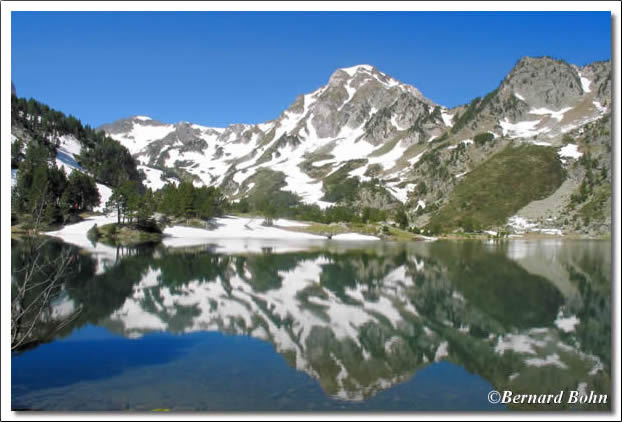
column 557, row 115
column 104, row 195
column 154, row 178
column 230, row 228
column 354, row 236
column 585, row 83
column 352, row 70
column 389, row 159
column 520, row 223
column 447, row 118
column 570, row 151
column 141, row 135
column 524, row 129
column 567, row 324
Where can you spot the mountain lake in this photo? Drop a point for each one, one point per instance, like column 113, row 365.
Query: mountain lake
column 317, row 326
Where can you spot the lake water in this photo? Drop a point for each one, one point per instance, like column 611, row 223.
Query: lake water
column 330, row 326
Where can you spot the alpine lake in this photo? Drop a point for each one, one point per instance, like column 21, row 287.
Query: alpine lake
column 334, row 326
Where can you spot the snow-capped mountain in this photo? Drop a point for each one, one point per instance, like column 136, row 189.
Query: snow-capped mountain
column 355, row 116
column 364, row 124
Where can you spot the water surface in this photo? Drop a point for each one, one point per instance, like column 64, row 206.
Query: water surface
column 333, row 326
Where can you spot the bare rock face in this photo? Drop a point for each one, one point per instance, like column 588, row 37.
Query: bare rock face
column 327, row 119
column 600, row 75
column 362, row 95
column 543, row 82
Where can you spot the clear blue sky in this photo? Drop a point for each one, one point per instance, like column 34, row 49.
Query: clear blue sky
column 216, row 68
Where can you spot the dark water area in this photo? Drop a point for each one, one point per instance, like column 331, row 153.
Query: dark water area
column 344, row 326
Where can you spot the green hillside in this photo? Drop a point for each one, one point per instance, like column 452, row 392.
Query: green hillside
column 498, row 188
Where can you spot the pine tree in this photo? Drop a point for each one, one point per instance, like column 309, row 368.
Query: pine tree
column 185, row 200
column 146, row 207
column 401, row 218
column 35, row 161
column 81, row 192
column 16, row 153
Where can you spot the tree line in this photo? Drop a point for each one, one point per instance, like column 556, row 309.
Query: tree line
column 136, row 205
column 331, row 214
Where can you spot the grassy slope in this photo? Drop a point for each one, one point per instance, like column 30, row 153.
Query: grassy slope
column 499, row 187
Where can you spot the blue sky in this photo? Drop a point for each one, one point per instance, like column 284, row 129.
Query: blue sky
column 216, row 68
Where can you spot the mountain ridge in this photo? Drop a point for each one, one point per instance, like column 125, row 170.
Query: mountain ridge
column 366, row 139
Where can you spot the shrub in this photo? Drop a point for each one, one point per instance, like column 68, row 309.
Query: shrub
column 148, row 225
column 483, row 138
column 92, row 234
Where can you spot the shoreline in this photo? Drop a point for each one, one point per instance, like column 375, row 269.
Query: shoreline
column 236, row 228
column 229, row 228
column 523, row 236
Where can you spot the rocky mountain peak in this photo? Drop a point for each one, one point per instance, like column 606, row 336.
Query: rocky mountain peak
column 544, row 82
column 363, row 71
column 357, row 76
column 127, row 124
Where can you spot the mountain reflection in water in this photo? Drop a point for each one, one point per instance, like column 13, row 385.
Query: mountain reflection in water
column 527, row 316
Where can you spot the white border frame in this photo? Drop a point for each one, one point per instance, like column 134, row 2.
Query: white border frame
column 5, row 107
